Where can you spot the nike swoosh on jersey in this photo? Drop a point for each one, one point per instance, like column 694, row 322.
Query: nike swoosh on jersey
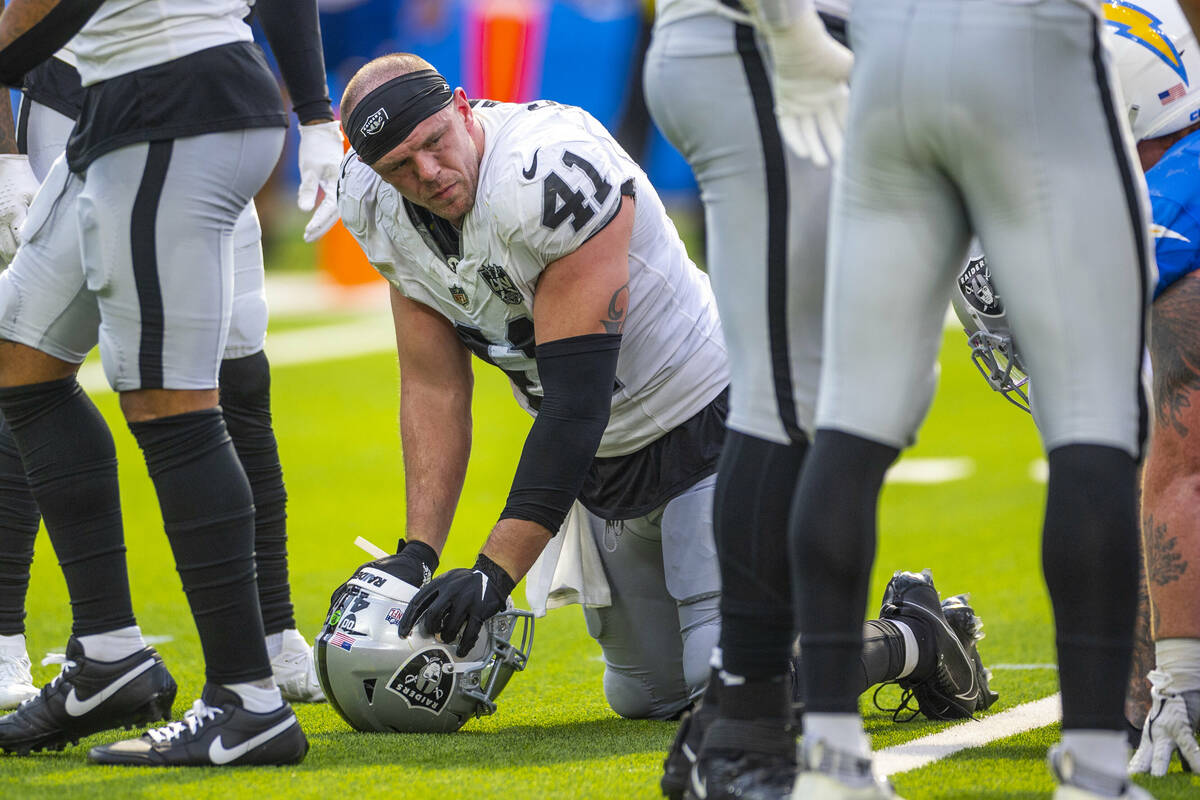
column 218, row 754
column 77, row 708
column 1163, row 232
column 529, row 173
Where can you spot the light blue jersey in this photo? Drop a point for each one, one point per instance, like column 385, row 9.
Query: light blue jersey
column 1175, row 200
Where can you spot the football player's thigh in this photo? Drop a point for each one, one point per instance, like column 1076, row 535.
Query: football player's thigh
column 46, row 135
column 639, row 633
column 693, row 575
column 1061, row 213
column 166, row 285
column 897, row 233
column 765, row 214
column 248, row 321
column 44, row 301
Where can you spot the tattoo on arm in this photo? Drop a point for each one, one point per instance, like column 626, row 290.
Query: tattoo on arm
column 1175, row 352
column 617, row 306
column 1163, row 564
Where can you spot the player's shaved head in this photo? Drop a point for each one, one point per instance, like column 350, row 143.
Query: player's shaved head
column 377, row 72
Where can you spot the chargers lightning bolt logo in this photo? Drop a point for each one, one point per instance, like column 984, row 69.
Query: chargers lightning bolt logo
column 1138, row 25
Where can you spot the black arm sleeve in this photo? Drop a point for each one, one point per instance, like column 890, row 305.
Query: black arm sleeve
column 577, row 382
column 43, row 39
column 294, row 33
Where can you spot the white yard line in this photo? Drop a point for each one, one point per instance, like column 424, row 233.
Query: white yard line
column 371, row 334
column 928, row 749
column 931, row 470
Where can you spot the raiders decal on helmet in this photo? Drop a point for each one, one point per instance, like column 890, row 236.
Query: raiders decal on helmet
column 975, row 282
column 499, row 282
column 425, row 681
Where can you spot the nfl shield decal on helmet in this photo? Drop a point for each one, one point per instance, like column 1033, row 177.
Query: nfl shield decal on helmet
column 499, row 282
column 374, row 123
column 460, row 296
column 976, row 284
column 425, row 681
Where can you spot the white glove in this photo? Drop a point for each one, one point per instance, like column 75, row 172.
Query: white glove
column 1167, row 728
column 811, row 74
column 320, row 157
column 17, row 188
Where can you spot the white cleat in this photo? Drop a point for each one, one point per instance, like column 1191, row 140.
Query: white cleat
column 1079, row 782
column 16, row 681
column 834, row 775
column 294, row 672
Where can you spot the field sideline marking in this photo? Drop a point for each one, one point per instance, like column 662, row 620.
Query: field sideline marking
column 928, row 749
column 372, row 334
column 930, row 470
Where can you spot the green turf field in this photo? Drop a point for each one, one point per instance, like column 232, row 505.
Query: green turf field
column 554, row 737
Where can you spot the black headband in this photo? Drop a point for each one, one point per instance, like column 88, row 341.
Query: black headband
column 388, row 114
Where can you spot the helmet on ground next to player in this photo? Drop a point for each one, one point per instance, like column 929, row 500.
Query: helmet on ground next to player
column 981, row 313
column 1157, row 59
column 378, row 681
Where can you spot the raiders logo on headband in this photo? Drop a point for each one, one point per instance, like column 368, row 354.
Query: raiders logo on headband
column 374, row 123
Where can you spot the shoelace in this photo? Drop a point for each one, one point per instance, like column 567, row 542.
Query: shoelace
column 193, row 720
column 52, row 658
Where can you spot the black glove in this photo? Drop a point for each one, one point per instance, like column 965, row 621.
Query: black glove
column 414, row 563
column 460, row 598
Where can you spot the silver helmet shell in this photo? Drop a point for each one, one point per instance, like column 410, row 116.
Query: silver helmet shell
column 378, row 681
column 981, row 312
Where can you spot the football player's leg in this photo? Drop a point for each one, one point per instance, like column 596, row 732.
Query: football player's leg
column 42, row 135
column 50, row 320
column 1171, row 485
column 639, row 634
column 897, row 231
column 245, row 380
column 1069, row 258
column 167, row 295
column 19, row 519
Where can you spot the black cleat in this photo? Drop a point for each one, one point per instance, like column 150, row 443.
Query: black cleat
column 744, row 760
column 951, row 689
column 677, row 766
column 969, row 628
column 217, row 731
column 89, row 696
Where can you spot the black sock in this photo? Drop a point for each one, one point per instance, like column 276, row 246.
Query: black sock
column 760, row 698
column 832, row 547
column 209, row 519
column 19, row 519
column 71, row 464
column 882, row 653
column 755, row 481
column 1090, row 558
column 246, row 405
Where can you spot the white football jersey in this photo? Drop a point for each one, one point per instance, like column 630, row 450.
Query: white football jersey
column 550, row 178
column 127, row 35
column 667, row 11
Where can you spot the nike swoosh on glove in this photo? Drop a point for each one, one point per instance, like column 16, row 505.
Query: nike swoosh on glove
column 461, row 599
column 1168, row 728
column 413, row 563
column 18, row 185
column 810, row 86
column 320, row 157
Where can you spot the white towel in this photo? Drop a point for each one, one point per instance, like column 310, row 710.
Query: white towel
column 569, row 570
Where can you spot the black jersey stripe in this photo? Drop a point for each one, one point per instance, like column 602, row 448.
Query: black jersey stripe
column 143, row 250
column 775, row 168
column 1136, row 218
